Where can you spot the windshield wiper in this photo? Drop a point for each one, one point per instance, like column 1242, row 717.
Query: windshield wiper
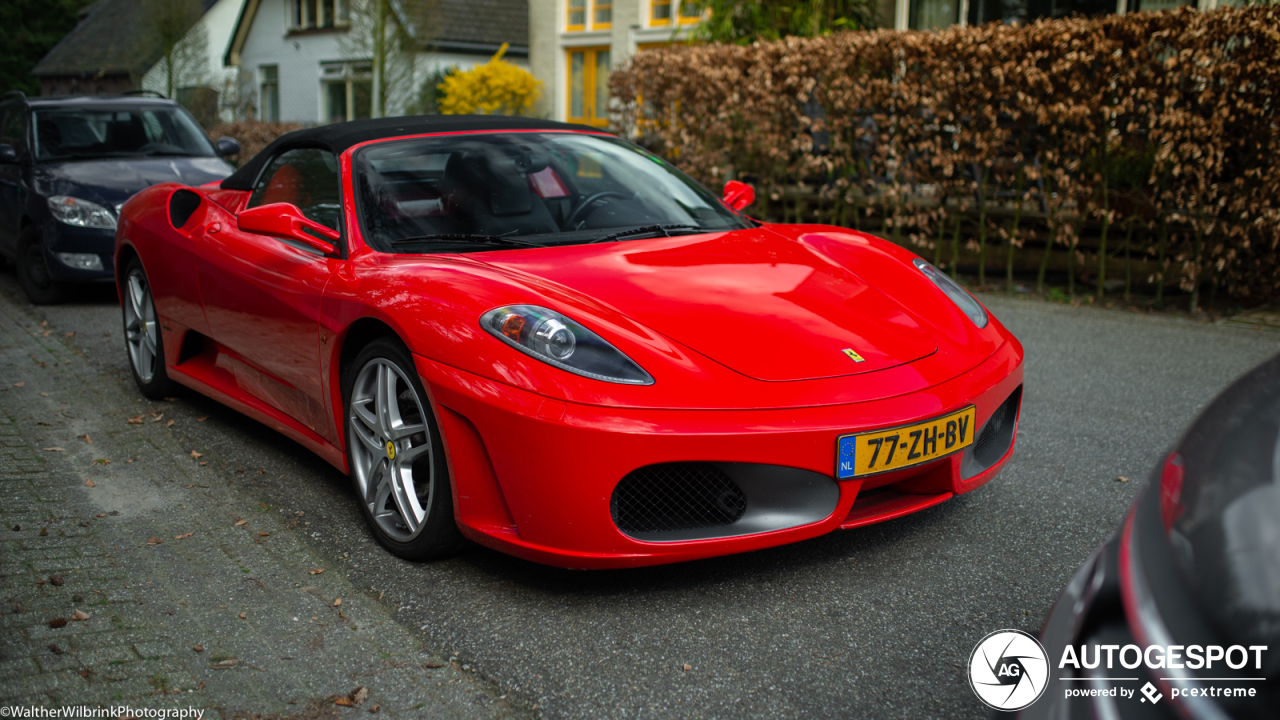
column 644, row 229
column 466, row 238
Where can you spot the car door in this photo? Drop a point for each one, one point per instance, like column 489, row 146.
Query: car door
column 262, row 294
column 13, row 131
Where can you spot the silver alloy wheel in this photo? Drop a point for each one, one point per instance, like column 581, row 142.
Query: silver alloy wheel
column 390, row 440
column 140, row 326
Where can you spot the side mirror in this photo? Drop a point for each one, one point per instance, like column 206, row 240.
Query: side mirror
column 227, row 146
column 738, row 195
column 8, row 153
column 282, row 220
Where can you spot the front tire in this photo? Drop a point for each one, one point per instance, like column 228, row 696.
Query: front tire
column 398, row 467
column 33, row 270
column 142, row 336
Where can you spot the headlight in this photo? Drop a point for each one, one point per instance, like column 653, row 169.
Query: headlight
column 556, row 340
column 961, row 297
column 81, row 213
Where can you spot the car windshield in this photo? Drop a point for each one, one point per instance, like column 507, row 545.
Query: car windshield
column 85, row 132
column 481, row 191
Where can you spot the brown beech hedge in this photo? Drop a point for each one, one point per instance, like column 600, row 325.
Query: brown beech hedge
column 1127, row 150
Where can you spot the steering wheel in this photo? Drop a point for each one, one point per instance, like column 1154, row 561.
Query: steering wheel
column 573, row 220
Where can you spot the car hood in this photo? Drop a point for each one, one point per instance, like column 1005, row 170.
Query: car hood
column 112, row 181
column 1220, row 503
column 764, row 305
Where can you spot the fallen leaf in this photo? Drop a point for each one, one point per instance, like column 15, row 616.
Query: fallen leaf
column 184, row 536
column 135, row 420
column 80, row 615
column 240, row 522
column 88, row 439
column 317, row 571
column 264, row 534
column 102, row 461
column 202, row 418
column 88, row 482
column 242, row 616
column 58, row 622
column 154, row 541
column 100, row 515
column 223, row 665
column 1121, row 478
column 43, row 532
column 70, row 334
column 359, row 695
column 686, row 667
column 204, row 462
column 19, row 384
column 44, row 323
column 56, row 580
column 375, row 708
column 157, row 418
column 196, row 455
column 44, row 394
column 170, row 423
column 198, row 647
column 170, row 399
column 338, row 602
column 53, row 648
column 85, row 672
column 53, row 449
column 433, row 664
column 344, row 702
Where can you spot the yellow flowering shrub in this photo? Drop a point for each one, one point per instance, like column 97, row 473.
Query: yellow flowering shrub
column 494, row 88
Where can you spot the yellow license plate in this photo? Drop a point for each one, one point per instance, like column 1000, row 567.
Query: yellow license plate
column 868, row 453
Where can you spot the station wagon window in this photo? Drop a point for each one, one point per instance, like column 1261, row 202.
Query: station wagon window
column 97, row 131
column 14, row 130
column 306, row 178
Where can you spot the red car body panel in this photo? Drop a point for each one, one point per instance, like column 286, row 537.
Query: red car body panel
column 742, row 332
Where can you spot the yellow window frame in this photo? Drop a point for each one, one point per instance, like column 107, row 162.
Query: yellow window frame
column 691, row 19
column 596, row 7
column 654, row 20
column 591, row 115
column 584, row 8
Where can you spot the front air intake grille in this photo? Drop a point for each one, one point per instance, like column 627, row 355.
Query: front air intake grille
column 996, row 436
column 676, row 496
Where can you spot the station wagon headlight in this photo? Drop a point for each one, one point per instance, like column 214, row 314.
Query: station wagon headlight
column 557, row 340
column 81, row 213
column 961, row 297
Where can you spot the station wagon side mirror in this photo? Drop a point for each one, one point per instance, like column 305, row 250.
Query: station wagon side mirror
column 227, row 146
column 738, row 195
column 282, row 220
column 8, row 153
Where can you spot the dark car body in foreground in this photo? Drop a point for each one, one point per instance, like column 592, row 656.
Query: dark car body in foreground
column 1191, row 578
column 67, row 165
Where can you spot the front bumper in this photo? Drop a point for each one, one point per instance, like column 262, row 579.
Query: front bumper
column 57, row 237
column 534, row 477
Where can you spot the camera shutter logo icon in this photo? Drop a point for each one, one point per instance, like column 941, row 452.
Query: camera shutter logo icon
column 1008, row 670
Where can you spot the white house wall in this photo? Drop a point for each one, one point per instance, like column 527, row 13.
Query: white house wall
column 218, row 24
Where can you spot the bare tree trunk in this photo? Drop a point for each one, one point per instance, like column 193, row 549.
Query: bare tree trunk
column 379, row 58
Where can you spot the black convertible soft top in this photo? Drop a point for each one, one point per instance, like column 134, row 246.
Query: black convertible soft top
column 340, row 136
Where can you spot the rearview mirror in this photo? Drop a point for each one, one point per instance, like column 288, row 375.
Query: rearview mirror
column 8, row 153
column 282, row 220
column 227, row 146
column 738, row 195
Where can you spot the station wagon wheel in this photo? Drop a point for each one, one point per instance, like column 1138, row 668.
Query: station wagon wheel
column 142, row 334
column 397, row 461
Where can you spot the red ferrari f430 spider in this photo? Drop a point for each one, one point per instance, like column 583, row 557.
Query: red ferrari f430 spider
column 544, row 339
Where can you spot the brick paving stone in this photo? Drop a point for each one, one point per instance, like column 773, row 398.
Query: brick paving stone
column 150, row 604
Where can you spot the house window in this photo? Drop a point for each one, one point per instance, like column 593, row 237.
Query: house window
column 269, row 92
column 589, row 86
column 312, row 14
column 348, row 91
column 602, row 17
column 690, row 11
column 577, row 14
column 934, row 14
column 659, row 12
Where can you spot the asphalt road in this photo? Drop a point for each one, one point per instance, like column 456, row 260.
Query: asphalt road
column 870, row 623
